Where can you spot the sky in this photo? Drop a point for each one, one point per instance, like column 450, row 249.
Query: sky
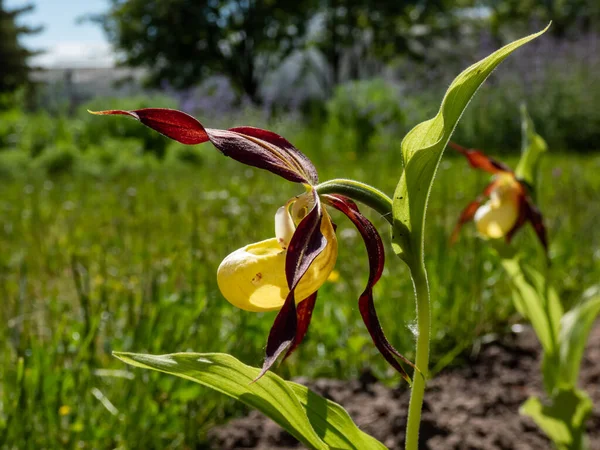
column 66, row 43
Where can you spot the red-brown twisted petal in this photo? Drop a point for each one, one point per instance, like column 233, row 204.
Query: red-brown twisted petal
column 529, row 212
column 303, row 164
column 478, row 160
column 282, row 334
column 534, row 216
column 306, row 244
column 521, row 218
column 252, row 146
column 304, row 311
column 468, row 213
column 376, row 254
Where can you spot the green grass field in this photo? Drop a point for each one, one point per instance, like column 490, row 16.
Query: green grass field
column 92, row 263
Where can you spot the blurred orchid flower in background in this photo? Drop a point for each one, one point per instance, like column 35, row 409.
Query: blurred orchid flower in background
column 284, row 272
column 509, row 206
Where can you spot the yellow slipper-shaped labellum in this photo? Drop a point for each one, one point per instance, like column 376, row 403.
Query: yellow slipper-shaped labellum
column 253, row 277
column 498, row 216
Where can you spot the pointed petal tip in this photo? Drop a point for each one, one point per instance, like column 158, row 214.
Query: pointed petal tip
column 479, row 160
column 261, row 374
column 282, row 334
column 113, row 112
column 271, row 359
column 101, row 113
column 455, row 146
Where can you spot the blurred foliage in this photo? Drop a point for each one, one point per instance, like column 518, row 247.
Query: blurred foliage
column 14, row 69
column 361, row 116
column 356, row 28
column 183, row 42
column 568, row 17
column 245, row 39
column 562, row 103
column 360, row 110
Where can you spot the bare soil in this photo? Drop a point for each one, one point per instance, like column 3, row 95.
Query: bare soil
column 471, row 407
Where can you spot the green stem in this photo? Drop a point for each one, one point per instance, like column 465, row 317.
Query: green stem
column 383, row 205
column 360, row 192
column 421, row 286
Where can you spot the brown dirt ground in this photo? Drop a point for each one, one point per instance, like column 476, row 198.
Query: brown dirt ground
column 472, row 407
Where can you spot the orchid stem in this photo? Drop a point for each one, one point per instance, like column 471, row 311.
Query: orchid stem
column 381, row 203
column 360, row 192
column 421, row 286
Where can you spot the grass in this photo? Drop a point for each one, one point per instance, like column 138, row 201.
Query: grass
column 92, row 263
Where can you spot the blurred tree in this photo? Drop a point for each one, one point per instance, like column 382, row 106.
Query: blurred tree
column 14, row 69
column 182, row 42
column 392, row 28
column 567, row 16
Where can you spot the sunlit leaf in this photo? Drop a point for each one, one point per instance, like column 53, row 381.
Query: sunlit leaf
column 575, row 327
column 422, row 149
column 315, row 421
column 332, row 422
column 537, row 302
column 563, row 420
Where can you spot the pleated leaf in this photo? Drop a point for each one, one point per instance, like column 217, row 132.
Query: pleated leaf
column 575, row 327
column 315, row 421
column 563, row 418
column 536, row 302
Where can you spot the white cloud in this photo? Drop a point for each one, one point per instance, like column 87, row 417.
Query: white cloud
column 76, row 55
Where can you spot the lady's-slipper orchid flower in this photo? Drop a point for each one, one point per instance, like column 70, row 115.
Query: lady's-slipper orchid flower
column 509, row 205
column 285, row 272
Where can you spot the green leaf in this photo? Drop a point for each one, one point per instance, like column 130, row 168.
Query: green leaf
column 329, row 418
column 422, row 149
column 563, row 420
column 574, row 331
column 315, row 421
column 533, row 146
column 538, row 303
column 535, row 301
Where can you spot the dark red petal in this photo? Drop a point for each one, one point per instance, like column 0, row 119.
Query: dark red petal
column 478, row 160
column 466, row 215
column 302, row 161
column 521, row 218
column 282, row 334
column 304, row 311
column 537, row 221
column 257, row 153
column 251, row 146
column 376, row 254
column 174, row 124
column 529, row 212
column 306, row 244
column 369, row 316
